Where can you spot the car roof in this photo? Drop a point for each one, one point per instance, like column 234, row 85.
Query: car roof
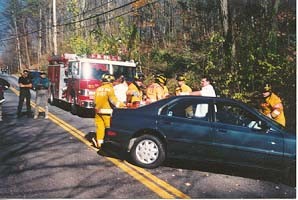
column 204, row 97
column 163, row 102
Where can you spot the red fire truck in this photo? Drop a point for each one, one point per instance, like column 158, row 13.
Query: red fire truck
column 74, row 79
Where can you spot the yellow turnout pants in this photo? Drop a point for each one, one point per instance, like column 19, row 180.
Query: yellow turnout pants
column 101, row 123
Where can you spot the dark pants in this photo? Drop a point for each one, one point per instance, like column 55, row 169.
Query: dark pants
column 24, row 95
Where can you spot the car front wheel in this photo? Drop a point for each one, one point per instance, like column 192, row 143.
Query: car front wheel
column 148, row 151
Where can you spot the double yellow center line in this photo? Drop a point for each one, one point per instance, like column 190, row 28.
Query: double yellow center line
column 158, row 186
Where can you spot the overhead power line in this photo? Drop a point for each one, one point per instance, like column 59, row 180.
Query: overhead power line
column 4, row 22
column 88, row 18
column 86, row 11
column 115, row 17
column 21, row 10
column 97, row 15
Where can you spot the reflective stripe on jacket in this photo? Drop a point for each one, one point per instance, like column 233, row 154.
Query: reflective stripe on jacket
column 273, row 107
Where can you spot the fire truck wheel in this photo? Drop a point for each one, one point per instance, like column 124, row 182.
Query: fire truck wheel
column 51, row 99
column 73, row 108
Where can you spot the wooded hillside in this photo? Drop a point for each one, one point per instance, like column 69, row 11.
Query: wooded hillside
column 241, row 44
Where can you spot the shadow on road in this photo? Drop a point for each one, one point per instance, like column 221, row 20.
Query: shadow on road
column 220, row 168
column 108, row 150
column 113, row 151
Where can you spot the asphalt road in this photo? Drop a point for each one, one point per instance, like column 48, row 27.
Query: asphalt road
column 53, row 159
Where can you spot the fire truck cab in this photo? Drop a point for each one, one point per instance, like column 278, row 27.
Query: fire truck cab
column 74, row 79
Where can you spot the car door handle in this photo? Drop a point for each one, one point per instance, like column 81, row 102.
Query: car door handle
column 221, row 130
column 272, row 142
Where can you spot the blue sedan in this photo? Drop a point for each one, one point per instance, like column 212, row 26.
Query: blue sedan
column 203, row 129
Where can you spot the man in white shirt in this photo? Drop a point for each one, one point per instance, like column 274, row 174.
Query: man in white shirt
column 121, row 89
column 207, row 91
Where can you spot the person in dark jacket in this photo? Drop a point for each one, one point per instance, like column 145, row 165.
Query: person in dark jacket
column 25, row 84
column 3, row 86
column 41, row 86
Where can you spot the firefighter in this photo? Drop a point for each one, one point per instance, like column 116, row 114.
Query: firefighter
column 182, row 88
column 103, row 99
column 272, row 106
column 134, row 92
column 157, row 90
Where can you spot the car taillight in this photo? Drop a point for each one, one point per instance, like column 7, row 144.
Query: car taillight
column 111, row 133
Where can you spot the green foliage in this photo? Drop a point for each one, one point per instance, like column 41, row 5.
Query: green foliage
column 124, row 42
column 187, row 36
column 80, row 45
column 72, row 7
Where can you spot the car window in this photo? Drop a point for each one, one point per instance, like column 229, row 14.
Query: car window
column 191, row 109
column 232, row 114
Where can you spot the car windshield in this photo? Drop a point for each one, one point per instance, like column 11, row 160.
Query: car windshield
column 127, row 72
column 94, row 70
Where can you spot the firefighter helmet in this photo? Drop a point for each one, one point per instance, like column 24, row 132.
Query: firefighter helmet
column 160, row 78
column 139, row 77
column 267, row 88
column 180, row 77
column 107, row 78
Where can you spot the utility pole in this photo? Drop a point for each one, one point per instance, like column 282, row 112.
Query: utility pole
column 39, row 38
column 18, row 41
column 54, row 28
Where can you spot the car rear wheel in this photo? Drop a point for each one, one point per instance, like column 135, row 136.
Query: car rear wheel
column 148, row 151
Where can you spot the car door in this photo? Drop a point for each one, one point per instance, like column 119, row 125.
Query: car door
column 187, row 135
column 239, row 138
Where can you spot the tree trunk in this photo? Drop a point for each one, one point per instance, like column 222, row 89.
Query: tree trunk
column 225, row 18
column 229, row 48
column 39, row 39
column 54, row 28
column 18, row 43
column 275, row 23
column 26, row 43
column 84, row 24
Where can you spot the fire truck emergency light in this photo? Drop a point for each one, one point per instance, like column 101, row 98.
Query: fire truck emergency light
column 104, row 57
column 70, row 56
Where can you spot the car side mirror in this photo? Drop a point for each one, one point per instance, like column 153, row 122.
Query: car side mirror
column 170, row 113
